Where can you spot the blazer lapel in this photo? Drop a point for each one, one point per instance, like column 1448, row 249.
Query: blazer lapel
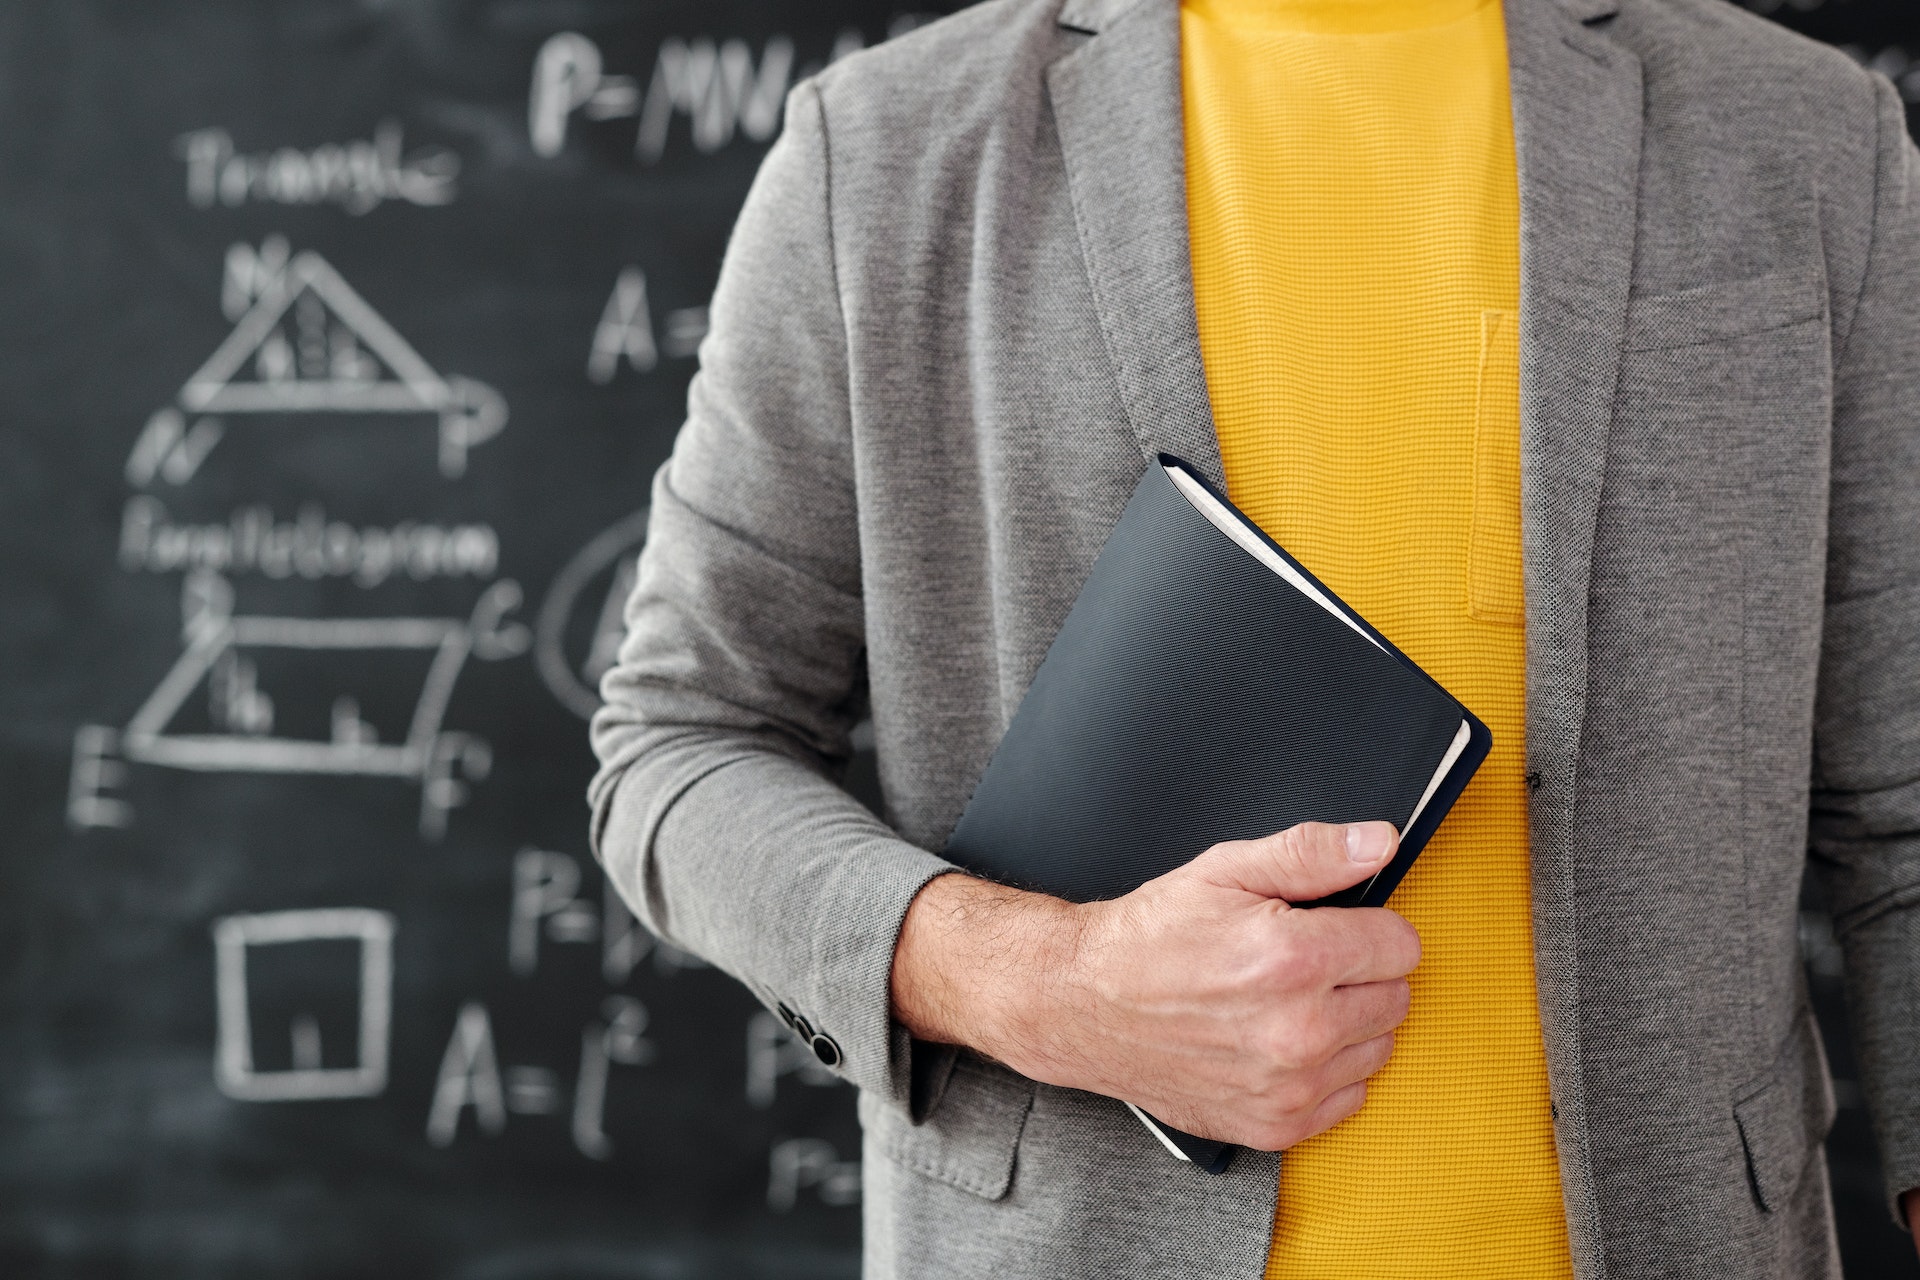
column 1117, row 105
column 1577, row 121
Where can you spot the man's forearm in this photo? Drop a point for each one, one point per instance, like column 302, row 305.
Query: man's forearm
column 973, row 960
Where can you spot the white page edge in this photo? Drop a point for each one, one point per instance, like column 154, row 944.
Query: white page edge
column 1226, row 522
column 1461, row 738
column 1159, row 1133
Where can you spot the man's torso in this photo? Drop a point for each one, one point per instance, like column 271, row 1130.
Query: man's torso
column 1009, row 235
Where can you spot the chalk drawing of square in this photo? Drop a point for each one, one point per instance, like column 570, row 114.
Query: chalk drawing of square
column 233, row 936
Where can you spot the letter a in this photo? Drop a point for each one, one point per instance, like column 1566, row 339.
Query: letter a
column 625, row 330
column 469, row 1076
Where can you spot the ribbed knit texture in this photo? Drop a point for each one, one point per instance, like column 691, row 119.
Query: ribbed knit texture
column 1355, row 231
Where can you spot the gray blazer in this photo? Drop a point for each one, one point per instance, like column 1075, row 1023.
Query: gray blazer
column 955, row 319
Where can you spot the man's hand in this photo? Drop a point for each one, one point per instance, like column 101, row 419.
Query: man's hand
column 1911, row 1202
column 1202, row 996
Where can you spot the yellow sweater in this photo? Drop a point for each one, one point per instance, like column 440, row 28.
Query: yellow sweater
column 1355, row 234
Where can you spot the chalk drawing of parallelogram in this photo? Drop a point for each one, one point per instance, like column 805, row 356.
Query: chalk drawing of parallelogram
column 310, row 344
column 441, row 763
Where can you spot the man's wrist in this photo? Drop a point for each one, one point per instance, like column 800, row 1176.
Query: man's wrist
column 975, row 961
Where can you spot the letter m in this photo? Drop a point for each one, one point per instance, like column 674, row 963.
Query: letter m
column 718, row 89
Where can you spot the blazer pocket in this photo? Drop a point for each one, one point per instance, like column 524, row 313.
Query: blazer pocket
column 1725, row 309
column 1785, row 1115
column 970, row 1137
column 1495, row 591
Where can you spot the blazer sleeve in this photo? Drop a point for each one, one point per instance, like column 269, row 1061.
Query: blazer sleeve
column 727, row 719
column 1865, row 822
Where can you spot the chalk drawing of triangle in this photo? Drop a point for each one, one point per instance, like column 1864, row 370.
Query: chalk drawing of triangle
column 345, row 360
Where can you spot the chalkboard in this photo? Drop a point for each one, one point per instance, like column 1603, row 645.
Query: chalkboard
column 338, row 343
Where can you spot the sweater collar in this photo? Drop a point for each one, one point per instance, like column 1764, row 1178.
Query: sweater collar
column 1091, row 16
column 1336, row 17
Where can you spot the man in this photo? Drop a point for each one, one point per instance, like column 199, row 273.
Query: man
column 1576, row 343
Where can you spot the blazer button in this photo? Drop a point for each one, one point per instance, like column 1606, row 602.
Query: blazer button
column 797, row 1024
column 825, row 1049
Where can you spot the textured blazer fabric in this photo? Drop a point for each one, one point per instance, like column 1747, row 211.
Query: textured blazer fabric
column 954, row 324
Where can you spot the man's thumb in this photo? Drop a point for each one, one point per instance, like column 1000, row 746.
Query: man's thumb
column 1309, row 861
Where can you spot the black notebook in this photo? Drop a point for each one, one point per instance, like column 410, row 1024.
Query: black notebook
column 1206, row 687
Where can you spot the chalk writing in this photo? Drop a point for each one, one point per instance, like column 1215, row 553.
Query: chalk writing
column 716, row 85
column 253, row 541
column 251, row 274
column 625, row 942
column 810, row 1164
column 626, row 331
column 169, row 449
column 546, row 903
column 567, row 78
column 307, row 343
column 441, row 763
column 685, row 328
column 773, row 1052
column 619, row 1040
column 358, row 176
column 234, row 1073
column 612, row 553
column 96, row 771
column 469, row 1077
column 532, row 1091
column 545, row 891
column 235, row 702
column 718, row 89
